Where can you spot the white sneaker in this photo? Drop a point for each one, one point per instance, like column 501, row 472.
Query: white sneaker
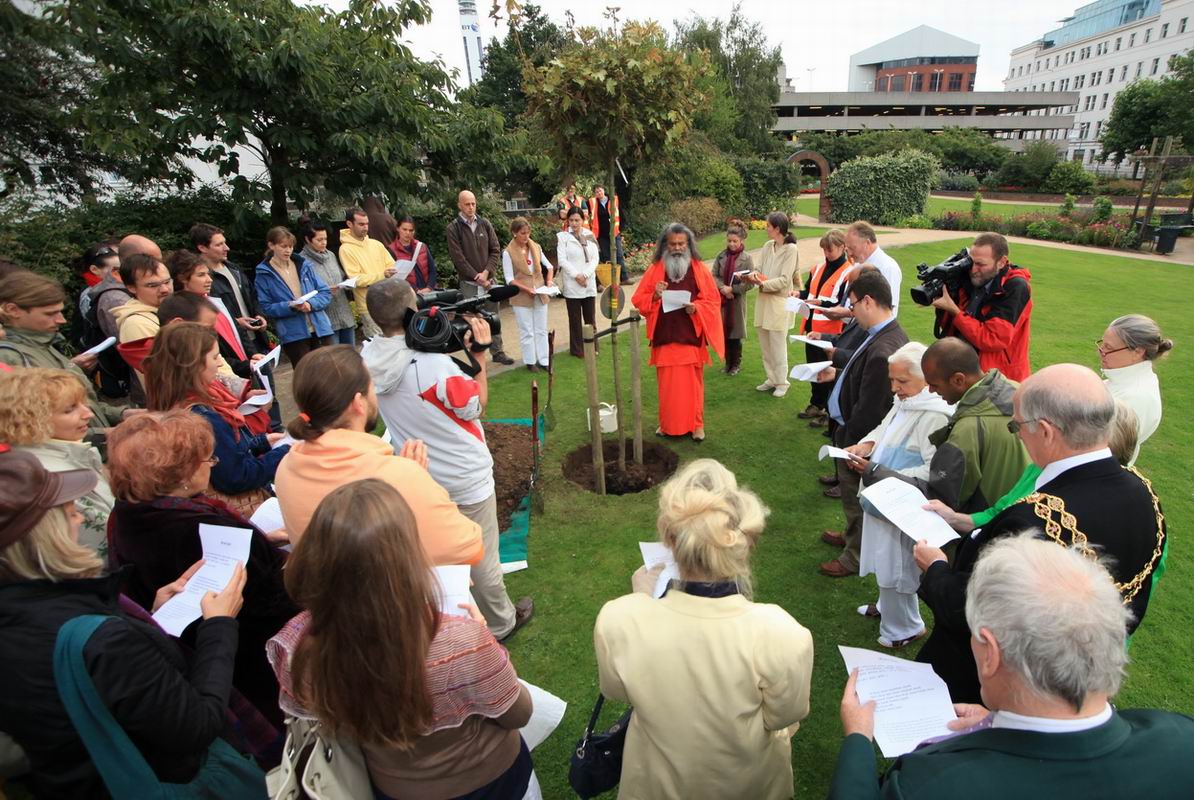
column 780, row 391
column 765, row 386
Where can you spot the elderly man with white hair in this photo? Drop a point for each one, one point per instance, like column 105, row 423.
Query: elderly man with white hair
column 903, row 444
column 680, row 335
column 1083, row 498
column 1049, row 629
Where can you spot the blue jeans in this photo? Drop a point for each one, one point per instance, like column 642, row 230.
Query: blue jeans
column 345, row 336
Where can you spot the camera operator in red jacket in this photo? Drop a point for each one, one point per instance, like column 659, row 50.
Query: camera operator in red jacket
column 993, row 313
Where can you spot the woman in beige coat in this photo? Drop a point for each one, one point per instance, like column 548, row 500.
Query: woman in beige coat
column 718, row 683
column 775, row 277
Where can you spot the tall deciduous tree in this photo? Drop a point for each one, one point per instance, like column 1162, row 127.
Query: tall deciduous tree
column 738, row 50
column 331, row 99
column 613, row 92
column 1136, row 117
column 42, row 84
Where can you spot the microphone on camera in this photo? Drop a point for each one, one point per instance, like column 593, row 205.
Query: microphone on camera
column 500, row 293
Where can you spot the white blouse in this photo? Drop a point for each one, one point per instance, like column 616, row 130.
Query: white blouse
column 1137, row 385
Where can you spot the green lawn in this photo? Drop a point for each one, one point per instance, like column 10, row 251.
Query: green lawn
column 939, row 205
column 583, row 548
column 709, row 246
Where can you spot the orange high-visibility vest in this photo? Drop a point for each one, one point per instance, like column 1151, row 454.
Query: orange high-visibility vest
column 595, row 222
column 820, row 290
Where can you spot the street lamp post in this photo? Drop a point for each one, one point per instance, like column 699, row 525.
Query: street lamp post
column 939, row 75
column 910, row 74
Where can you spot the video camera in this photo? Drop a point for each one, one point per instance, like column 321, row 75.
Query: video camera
column 438, row 326
column 952, row 273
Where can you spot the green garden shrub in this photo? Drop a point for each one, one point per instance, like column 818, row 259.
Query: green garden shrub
column 957, row 182
column 691, row 168
column 976, row 205
column 768, row 185
column 1069, row 177
column 703, row 215
column 919, row 221
column 1067, row 206
column 1103, row 209
column 1029, row 170
column 882, row 189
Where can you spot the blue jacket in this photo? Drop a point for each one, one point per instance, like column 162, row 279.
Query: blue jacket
column 246, row 463
column 275, row 298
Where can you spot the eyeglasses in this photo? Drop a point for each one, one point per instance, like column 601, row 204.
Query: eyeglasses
column 1102, row 348
column 213, row 460
column 1014, row 425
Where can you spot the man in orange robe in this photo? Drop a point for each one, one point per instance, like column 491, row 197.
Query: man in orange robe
column 680, row 338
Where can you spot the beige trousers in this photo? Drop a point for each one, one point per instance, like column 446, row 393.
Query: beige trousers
column 774, row 346
column 489, row 584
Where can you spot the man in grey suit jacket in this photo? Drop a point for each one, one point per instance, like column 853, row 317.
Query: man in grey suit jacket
column 860, row 399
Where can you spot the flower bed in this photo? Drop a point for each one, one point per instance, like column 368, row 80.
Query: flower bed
column 1079, row 228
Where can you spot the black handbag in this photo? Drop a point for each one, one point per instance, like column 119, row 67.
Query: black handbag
column 597, row 763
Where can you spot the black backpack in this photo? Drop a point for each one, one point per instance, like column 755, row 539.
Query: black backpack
column 114, row 373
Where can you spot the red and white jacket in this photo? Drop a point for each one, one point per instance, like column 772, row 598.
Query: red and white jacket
column 426, row 396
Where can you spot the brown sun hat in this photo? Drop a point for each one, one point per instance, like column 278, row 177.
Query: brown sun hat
column 28, row 491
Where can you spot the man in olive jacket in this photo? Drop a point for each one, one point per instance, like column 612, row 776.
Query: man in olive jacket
column 1049, row 640
column 978, row 460
column 476, row 253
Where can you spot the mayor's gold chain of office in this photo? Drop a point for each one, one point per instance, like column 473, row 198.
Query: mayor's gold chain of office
column 1051, row 510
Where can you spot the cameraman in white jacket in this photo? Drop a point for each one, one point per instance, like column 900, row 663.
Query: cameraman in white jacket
column 576, row 270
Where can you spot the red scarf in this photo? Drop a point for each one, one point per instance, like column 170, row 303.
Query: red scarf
column 727, row 277
column 226, row 404
column 229, row 335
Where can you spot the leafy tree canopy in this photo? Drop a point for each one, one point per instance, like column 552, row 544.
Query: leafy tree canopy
column 325, row 99
column 747, row 66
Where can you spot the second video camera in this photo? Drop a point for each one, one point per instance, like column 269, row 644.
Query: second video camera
column 952, row 273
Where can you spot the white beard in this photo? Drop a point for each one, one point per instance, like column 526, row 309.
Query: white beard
column 676, row 265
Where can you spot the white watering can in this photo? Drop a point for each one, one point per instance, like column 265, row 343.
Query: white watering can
column 608, row 416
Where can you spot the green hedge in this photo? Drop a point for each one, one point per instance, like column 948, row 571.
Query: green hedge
column 882, row 189
column 691, row 168
column 702, row 214
column 51, row 240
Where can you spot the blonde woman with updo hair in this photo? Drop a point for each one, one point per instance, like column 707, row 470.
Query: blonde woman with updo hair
column 718, row 682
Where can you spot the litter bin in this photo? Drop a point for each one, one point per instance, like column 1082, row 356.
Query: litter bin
column 1167, row 238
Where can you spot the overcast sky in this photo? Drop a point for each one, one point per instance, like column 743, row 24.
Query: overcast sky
column 810, row 35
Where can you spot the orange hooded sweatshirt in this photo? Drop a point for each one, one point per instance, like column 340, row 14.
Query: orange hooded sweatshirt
column 313, row 469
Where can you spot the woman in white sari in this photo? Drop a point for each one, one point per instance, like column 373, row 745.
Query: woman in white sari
column 901, row 444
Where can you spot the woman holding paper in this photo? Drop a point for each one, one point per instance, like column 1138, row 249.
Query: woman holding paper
column 181, row 373
column 44, row 412
column 526, row 267
column 900, row 443
column 429, row 695
column 161, row 470
column 422, row 275
column 293, row 297
column 173, row 709
column 775, row 277
column 327, row 268
column 718, row 682
column 577, row 252
column 728, row 270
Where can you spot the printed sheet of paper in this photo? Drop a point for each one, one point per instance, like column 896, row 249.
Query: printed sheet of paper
column 298, row 301
column 546, row 712
column 551, row 291
column 654, row 554
column 268, row 516
column 99, row 348
column 350, row 283
column 403, row 267
column 831, row 452
column 674, row 299
column 257, row 401
column 810, row 371
column 903, row 506
column 814, row 342
column 453, row 585
column 911, row 703
column 796, row 306
column 223, row 547
column 271, row 358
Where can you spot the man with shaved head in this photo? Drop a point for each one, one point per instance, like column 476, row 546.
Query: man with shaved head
column 134, row 244
column 1082, row 498
column 475, row 250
